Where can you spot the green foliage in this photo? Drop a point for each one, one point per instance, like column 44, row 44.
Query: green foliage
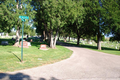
column 95, row 38
column 29, row 31
column 103, row 38
column 54, row 16
column 117, row 35
column 102, row 16
column 12, row 33
column 111, row 39
column 86, row 18
column 112, row 17
column 10, row 11
column 53, row 13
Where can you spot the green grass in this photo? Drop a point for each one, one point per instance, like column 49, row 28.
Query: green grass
column 10, row 56
column 107, row 47
column 104, row 49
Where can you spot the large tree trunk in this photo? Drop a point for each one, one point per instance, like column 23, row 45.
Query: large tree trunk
column 51, row 40
column 78, row 40
column 44, row 35
column 99, row 39
column 78, row 37
column 99, row 42
column 59, row 37
column 47, row 33
column 69, row 38
column 55, row 40
column 88, row 40
column 65, row 39
column 54, row 43
column 17, row 37
column 18, row 30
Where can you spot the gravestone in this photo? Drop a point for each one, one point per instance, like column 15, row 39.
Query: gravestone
column 25, row 44
column 4, row 43
column 43, row 47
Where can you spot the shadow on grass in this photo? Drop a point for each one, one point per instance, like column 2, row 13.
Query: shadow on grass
column 84, row 46
column 15, row 56
column 65, row 44
column 37, row 44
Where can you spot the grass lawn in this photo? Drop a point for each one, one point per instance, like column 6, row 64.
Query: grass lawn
column 104, row 49
column 107, row 47
column 10, row 56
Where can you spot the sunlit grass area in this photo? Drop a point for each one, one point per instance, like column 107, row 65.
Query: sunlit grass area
column 104, row 49
column 10, row 56
column 107, row 46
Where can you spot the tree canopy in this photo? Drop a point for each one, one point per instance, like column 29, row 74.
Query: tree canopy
column 84, row 18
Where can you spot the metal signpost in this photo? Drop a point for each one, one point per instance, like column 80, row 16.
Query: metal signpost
column 23, row 19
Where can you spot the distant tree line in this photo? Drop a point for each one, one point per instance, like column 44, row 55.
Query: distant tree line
column 68, row 18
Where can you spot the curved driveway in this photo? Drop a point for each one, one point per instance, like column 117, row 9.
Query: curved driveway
column 84, row 64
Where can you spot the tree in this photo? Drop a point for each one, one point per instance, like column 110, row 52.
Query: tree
column 29, row 31
column 5, row 24
column 98, row 16
column 75, row 19
column 116, row 36
column 95, row 38
column 53, row 16
column 112, row 18
column 11, row 11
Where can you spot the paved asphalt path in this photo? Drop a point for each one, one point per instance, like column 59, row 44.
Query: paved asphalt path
column 84, row 64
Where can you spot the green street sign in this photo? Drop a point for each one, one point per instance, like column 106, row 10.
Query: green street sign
column 23, row 17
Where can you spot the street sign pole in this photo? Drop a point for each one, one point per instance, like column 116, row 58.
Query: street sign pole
column 23, row 20
column 22, row 41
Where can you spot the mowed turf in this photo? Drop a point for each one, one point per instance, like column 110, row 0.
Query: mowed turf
column 104, row 49
column 106, row 46
column 10, row 56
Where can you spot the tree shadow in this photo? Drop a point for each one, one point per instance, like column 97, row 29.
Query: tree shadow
column 37, row 44
column 66, row 44
column 17, row 76
column 105, row 48
column 95, row 47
